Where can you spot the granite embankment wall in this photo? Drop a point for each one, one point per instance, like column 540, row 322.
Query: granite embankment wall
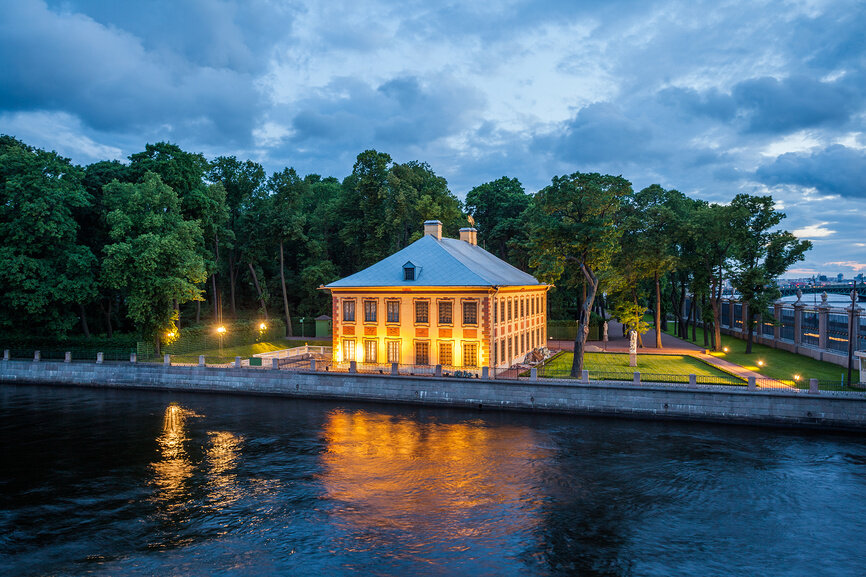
column 717, row 404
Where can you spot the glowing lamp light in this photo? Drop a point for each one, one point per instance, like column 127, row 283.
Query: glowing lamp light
column 760, row 363
column 726, row 349
column 263, row 326
column 796, row 377
column 221, row 330
column 170, row 335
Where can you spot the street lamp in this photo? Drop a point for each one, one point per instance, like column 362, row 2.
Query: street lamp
column 851, row 334
column 221, row 331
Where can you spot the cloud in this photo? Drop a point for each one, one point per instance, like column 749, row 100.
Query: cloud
column 836, row 169
column 855, row 266
column 811, row 231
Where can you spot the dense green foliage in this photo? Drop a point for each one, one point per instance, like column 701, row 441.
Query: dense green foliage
column 171, row 240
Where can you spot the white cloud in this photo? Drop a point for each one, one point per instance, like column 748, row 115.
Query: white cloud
column 855, row 266
column 818, row 230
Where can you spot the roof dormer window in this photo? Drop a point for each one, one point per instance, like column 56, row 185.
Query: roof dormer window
column 409, row 271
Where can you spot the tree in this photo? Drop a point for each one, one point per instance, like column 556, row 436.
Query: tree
column 572, row 225
column 44, row 269
column 154, row 253
column 761, row 254
column 497, row 208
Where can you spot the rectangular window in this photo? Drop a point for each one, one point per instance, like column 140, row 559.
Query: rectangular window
column 393, row 311
column 422, row 353
column 445, row 312
column 370, row 349
column 422, row 312
column 348, row 350
column 446, row 356
column 502, row 310
column 495, row 316
column 521, row 308
column 509, row 309
column 470, row 354
column 370, row 311
column 534, row 303
column 349, row 311
column 510, row 349
column 408, row 273
column 502, row 349
column 393, row 351
column 470, row 313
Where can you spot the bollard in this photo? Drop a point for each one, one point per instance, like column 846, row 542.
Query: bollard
column 636, row 378
column 533, row 373
column 275, row 364
column 485, row 373
column 813, row 386
column 99, row 358
column 438, row 371
column 68, row 357
column 201, row 360
column 37, row 355
column 313, row 365
column 395, row 369
column 753, row 384
column 133, row 358
column 306, row 348
column 584, row 376
column 693, row 381
column 353, row 367
column 5, row 354
column 237, row 362
column 166, row 360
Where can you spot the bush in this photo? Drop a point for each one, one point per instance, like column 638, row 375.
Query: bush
column 205, row 337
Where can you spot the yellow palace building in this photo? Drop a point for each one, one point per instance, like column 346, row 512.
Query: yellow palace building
column 439, row 301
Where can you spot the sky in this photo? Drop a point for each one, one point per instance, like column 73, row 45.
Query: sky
column 711, row 98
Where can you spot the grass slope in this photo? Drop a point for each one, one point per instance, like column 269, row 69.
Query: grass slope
column 675, row 368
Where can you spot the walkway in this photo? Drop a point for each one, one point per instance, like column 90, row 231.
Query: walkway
column 671, row 345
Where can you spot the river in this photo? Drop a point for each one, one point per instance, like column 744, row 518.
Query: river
column 108, row 482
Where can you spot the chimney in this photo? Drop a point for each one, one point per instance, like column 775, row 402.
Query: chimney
column 470, row 235
column 433, row 228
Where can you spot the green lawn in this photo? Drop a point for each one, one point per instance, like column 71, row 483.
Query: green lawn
column 777, row 364
column 616, row 364
column 245, row 351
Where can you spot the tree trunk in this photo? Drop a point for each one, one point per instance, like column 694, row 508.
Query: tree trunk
column 590, row 287
column 259, row 290
column 751, row 329
column 197, row 312
column 84, row 328
column 676, row 308
column 233, row 278
column 682, row 319
column 706, row 328
column 639, row 337
column 285, row 296
column 658, row 312
column 177, row 313
column 216, row 314
column 107, row 311
column 694, row 318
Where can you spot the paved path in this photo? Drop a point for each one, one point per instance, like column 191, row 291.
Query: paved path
column 670, row 346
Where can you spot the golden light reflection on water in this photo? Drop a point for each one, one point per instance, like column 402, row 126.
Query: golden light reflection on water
column 398, row 473
column 222, row 455
column 174, row 467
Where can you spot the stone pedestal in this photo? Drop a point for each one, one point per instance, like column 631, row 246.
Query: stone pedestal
column 166, row 360
column 201, row 360
column 99, row 358
column 67, row 358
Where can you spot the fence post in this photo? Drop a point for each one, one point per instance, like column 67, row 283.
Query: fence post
column 533, row 373
column 693, row 381
column 313, row 365
column 485, row 373
column 166, row 360
column 353, row 366
column 201, row 360
column 823, row 323
column 395, row 369
column 275, row 364
column 99, row 358
column 67, row 357
column 237, row 362
column 753, row 385
column 813, row 386
column 584, row 376
column 133, row 358
column 636, row 377
column 37, row 355
column 6, row 354
column 798, row 324
column 438, row 371
column 777, row 316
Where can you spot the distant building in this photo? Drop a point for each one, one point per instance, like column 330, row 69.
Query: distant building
column 439, row 301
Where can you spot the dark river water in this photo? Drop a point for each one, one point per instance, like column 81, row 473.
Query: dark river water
column 101, row 482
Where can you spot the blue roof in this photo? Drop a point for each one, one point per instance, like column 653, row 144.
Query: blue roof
column 445, row 262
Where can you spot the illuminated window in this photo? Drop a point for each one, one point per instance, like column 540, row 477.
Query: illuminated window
column 393, row 351
column 502, row 349
column 502, row 310
column 522, row 342
column 446, row 356
column 521, row 307
column 393, row 311
column 445, row 312
column 422, row 353
column 370, row 347
column 509, row 309
column 348, row 350
column 370, row 311
column 533, row 301
column 510, row 349
column 495, row 315
column 470, row 313
column 422, row 312
column 470, row 354
column 349, row 311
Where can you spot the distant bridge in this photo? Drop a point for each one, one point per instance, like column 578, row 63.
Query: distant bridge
column 837, row 289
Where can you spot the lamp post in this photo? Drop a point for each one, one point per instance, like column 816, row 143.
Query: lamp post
column 851, row 334
column 221, row 331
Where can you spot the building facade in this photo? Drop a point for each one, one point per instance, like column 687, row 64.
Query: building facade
column 439, row 301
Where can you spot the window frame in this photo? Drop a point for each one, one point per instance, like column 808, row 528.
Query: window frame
column 346, row 302
column 471, row 303
column 388, row 304
column 449, row 347
column 388, row 345
column 375, row 349
column 346, row 346
column 426, row 303
column 415, row 352
column 375, row 310
column 450, row 305
column 464, row 350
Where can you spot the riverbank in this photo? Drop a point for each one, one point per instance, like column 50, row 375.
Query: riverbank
column 719, row 404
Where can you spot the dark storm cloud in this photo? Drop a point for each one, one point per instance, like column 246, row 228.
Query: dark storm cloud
column 835, row 170
column 106, row 77
column 400, row 112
